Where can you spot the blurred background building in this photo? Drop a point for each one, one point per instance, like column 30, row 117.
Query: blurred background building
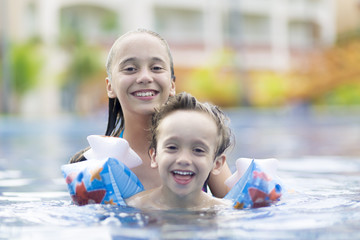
column 233, row 52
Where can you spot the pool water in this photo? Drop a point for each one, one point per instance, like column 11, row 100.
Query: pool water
column 322, row 200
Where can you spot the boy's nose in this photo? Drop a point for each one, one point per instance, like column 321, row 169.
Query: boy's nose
column 184, row 159
column 145, row 76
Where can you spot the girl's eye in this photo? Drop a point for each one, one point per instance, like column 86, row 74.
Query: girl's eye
column 157, row 68
column 130, row 69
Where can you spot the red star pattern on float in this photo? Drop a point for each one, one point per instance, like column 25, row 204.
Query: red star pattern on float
column 83, row 197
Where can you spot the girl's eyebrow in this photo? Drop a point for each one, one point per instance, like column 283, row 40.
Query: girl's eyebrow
column 127, row 60
column 156, row 59
column 134, row 59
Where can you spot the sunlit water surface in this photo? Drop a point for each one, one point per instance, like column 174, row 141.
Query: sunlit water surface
column 323, row 199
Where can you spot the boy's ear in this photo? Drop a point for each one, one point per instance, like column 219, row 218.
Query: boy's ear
column 152, row 154
column 218, row 164
column 109, row 89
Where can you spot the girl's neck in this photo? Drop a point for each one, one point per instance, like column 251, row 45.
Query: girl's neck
column 137, row 134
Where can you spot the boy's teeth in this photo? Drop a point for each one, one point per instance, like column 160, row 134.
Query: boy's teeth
column 144, row 94
column 183, row 173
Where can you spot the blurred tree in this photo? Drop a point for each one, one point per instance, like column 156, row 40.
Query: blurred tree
column 84, row 65
column 347, row 94
column 26, row 65
column 216, row 82
column 268, row 89
column 83, row 30
column 109, row 23
column 327, row 73
column 85, row 62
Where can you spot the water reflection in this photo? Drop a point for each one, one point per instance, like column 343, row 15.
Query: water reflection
column 284, row 133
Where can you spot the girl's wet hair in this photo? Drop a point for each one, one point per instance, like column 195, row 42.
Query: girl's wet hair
column 185, row 101
column 115, row 114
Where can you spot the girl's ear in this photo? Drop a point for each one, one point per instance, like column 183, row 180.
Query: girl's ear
column 218, row 164
column 152, row 154
column 109, row 89
column 172, row 87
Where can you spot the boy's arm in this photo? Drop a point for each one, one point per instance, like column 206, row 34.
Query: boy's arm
column 217, row 182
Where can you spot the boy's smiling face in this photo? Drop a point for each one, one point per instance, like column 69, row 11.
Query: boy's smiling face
column 186, row 145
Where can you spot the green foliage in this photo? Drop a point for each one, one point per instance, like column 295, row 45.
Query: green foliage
column 26, row 65
column 109, row 22
column 346, row 94
column 329, row 76
column 268, row 89
column 84, row 64
column 217, row 82
column 84, row 58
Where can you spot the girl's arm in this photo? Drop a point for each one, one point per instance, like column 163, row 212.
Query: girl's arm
column 217, row 182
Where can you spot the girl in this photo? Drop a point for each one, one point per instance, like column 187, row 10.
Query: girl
column 185, row 153
column 141, row 78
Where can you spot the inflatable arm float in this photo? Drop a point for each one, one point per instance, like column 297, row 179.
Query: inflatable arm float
column 254, row 184
column 106, row 176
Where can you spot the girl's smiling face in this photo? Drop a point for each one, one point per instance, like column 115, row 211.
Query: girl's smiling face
column 187, row 141
column 141, row 74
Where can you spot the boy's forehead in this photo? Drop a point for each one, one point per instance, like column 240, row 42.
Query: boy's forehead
column 187, row 116
column 190, row 124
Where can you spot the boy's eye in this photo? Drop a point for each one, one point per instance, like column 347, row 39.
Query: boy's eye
column 171, row 147
column 199, row 150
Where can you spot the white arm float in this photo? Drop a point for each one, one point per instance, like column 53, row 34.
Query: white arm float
column 269, row 165
column 104, row 147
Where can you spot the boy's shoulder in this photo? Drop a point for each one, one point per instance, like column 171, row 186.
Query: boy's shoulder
column 212, row 202
column 141, row 200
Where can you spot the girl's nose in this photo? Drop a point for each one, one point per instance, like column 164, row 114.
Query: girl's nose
column 145, row 76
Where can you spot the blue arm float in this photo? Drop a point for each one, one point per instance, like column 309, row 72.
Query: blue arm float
column 255, row 189
column 107, row 181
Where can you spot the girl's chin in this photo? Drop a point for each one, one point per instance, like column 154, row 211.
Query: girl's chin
column 145, row 111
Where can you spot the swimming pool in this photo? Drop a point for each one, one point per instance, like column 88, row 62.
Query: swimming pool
column 323, row 200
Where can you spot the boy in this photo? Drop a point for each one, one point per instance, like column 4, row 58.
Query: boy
column 188, row 141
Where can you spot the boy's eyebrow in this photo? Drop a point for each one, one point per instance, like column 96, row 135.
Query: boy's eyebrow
column 196, row 142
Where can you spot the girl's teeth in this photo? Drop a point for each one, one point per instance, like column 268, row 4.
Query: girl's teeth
column 144, row 94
